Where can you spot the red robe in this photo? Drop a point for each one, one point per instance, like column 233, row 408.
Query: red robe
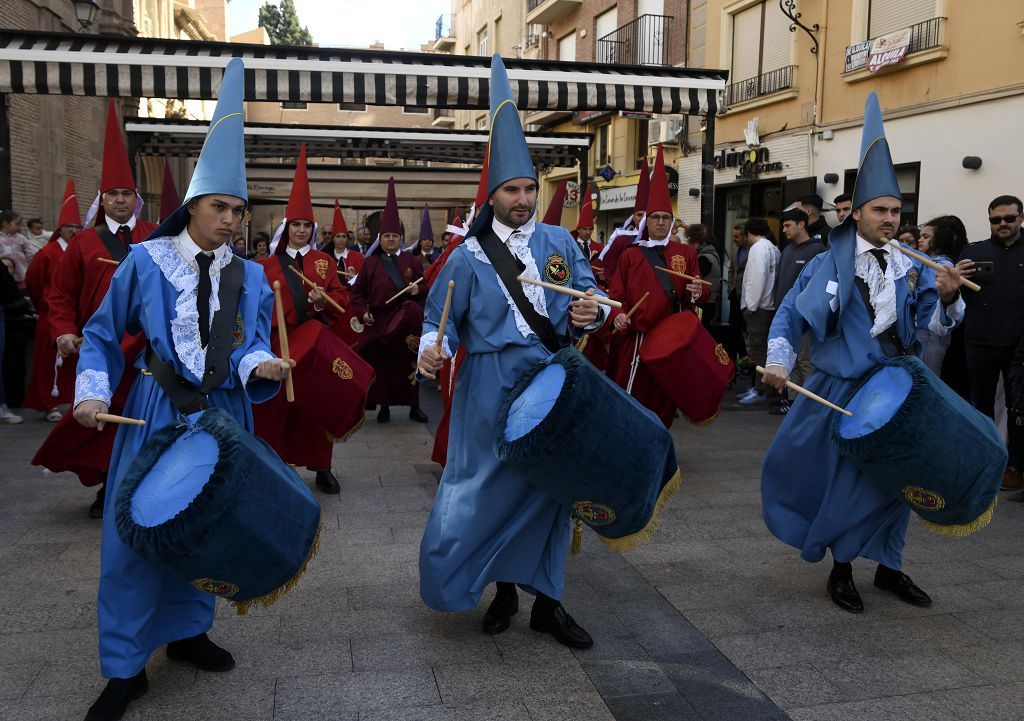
column 296, row 437
column 370, row 292
column 633, row 277
column 79, row 285
column 38, row 280
column 351, row 263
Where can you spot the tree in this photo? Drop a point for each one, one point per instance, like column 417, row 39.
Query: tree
column 282, row 24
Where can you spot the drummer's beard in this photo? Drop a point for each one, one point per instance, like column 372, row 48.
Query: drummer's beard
column 515, row 215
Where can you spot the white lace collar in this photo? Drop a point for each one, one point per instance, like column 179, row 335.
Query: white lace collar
column 504, row 232
column 881, row 286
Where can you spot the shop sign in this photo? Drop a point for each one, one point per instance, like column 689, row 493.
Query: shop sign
column 572, row 194
column 748, row 163
column 636, row 114
column 888, row 49
column 622, row 196
column 857, row 56
column 582, row 117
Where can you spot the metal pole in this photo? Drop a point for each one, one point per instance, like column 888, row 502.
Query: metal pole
column 707, row 171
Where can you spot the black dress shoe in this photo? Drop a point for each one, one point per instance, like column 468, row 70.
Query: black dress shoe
column 416, row 414
column 500, row 612
column 561, row 625
column 115, row 698
column 900, row 584
column 96, row 509
column 384, row 415
column 327, row 483
column 201, row 651
column 844, row 593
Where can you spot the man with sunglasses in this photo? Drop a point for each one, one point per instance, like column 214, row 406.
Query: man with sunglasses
column 994, row 323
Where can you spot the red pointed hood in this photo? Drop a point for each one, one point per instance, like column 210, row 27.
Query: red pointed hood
column 659, row 200
column 586, row 210
column 300, row 204
column 481, row 188
column 643, row 187
column 338, row 224
column 117, row 173
column 69, row 213
column 389, row 220
column 169, row 200
column 553, row 215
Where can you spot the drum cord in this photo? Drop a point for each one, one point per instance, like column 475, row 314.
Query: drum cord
column 635, row 364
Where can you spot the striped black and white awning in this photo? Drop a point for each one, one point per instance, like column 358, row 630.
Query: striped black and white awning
column 69, row 64
column 168, row 137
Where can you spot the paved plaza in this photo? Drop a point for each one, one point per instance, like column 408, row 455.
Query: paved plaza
column 715, row 620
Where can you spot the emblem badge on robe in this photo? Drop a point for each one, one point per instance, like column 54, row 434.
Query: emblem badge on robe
column 678, row 263
column 321, row 267
column 342, row 369
column 912, row 280
column 224, row 589
column 593, row 514
column 239, row 335
column 556, row 270
column 923, row 499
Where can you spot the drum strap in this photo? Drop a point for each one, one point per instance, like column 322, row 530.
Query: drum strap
column 299, row 295
column 112, row 243
column 388, row 264
column 183, row 395
column 655, row 257
column 889, row 338
column 508, row 268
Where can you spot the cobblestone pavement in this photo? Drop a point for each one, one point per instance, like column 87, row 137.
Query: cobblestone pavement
column 714, row 620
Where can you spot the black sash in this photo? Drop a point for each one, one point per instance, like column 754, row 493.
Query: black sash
column 508, row 268
column 892, row 344
column 112, row 243
column 183, row 395
column 656, row 257
column 298, row 289
column 392, row 270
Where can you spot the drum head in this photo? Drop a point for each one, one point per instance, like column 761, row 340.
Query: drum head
column 876, row 402
column 535, row 402
column 176, row 478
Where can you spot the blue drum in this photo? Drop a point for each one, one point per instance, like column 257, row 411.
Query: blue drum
column 216, row 506
column 925, row 444
column 590, row 446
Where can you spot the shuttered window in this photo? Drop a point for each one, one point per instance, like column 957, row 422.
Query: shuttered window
column 761, row 41
column 746, row 44
column 884, row 16
column 777, row 39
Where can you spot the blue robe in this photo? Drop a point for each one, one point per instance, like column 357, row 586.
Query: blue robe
column 812, row 498
column 490, row 522
column 141, row 607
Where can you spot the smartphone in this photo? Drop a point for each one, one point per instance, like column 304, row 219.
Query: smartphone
column 984, row 269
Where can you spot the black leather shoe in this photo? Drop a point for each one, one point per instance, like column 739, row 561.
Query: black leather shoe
column 416, row 414
column 201, row 651
column 327, row 483
column 844, row 594
column 96, row 509
column 562, row 626
column 900, row 584
column 115, row 698
column 500, row 612
column 384, row 415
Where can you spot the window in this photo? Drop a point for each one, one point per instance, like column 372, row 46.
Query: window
column 884, row 16
column 567, row 47
column 641, row 129
column 606, row 23
column 908, row 176
column 357, row 107
column 481, row 43
column 481, row 122
column 413, row 110
column 293, row 106
column 602, row 145
column 761, row 41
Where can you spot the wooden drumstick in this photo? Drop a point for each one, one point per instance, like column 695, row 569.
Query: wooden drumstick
column 571, row 291
column 330, row 301
column 344, row 274
column 403, row 291
column 110, row 418
column 282, row 335
column 633, row 309
column 813, row 396
column 444, row 314
column 108, row 261
column 683, row 275
column 921, row 257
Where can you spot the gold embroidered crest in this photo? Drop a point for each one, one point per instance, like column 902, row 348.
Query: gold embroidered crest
column 556, row 270
column 224, row 589
column 721, row 355
column 321, row 267
column 239, row 336
column 413, row 343
column 923, row 499
column 678, row 263
column 593, row 514
column 342, row 369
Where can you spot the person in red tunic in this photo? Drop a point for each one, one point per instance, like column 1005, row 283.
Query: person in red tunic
column 52, row 382
column 623, row 236
column 79, row 284
column 634, row 276
column 391, row 339
column 295, row 436
column 349, row 261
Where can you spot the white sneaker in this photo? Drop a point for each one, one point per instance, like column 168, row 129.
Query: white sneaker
column 746, row 396
column 754, row 399
column 7, row 417
column 53, row 415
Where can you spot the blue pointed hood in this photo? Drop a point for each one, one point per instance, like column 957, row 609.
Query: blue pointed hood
column 875, row 175
column 221, row 165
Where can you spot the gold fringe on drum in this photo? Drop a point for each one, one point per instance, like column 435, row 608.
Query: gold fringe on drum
column 645, row 534
column 268, row 600
column 962, row 529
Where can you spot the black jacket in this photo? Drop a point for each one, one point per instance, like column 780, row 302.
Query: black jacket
column 995, row 314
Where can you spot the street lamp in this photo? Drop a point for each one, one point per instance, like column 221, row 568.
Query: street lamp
column 85, row 11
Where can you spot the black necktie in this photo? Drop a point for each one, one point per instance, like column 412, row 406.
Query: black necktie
column 125, row 235
column 203, row 303
column 880, row 257
column 298, row 261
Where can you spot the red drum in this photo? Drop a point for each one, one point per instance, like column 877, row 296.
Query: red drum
column 327, row 369
column 402, row 329
column 692, row 369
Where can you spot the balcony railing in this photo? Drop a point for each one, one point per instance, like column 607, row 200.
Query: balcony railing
column 531, row 5
column 757, row 87
column 923, row 36
column 644, row 41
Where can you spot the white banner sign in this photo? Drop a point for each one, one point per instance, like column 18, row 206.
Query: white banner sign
column 623, row 196
column 888, row 49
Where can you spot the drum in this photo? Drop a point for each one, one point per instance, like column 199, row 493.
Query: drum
column 914, row 436
column 215, row 506
column 692, row 369
column 327, row 368
column 591, row 446
column 402, row 328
